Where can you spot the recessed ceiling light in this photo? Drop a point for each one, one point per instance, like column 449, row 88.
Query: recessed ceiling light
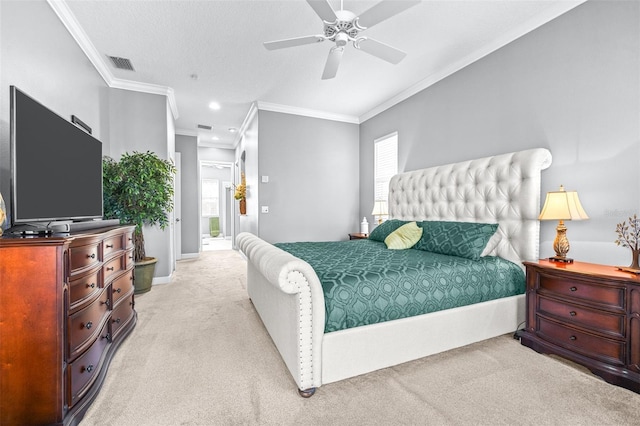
column 215, row 138
column 214, row 106
column 233, row 129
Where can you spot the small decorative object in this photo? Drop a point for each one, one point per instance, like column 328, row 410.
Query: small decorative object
column 3, row 214
column 241, row 194
column 380, row 209
column 364, row 226
column 629, row 236
column 562, row 205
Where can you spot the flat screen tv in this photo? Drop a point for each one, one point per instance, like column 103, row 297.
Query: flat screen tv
column 56, row 167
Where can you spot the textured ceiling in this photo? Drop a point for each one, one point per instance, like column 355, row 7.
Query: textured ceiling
column 220, row 42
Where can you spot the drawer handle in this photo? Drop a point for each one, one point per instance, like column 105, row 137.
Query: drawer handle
column 574, row 288
column 110, row 268
column 91, row 256
column 109, row 245
column 89, row 368
column 573, row 313
column 117, row 290
column 107, row 336
column 88, row 325
column 106, row 302
column 573, row 338
column 117, row 321
column 92, row 285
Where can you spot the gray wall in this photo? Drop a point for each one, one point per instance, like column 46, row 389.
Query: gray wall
column 41, row 58
column 248, row 148
column 189, row 194
column 312, row 164
column 48, row 65
column 571, row 86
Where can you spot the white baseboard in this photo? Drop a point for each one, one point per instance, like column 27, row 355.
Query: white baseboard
column 189, row 256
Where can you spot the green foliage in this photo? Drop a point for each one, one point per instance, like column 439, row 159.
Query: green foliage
column 138, row 189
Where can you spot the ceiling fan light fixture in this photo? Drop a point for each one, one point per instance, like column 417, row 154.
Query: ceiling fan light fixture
column 343, row 26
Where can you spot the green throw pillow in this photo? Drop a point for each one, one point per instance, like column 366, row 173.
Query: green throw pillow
column 404, row 237
column 462, row 239
column 385, row 228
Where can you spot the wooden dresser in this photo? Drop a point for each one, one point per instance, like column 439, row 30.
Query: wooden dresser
column 66, row 304
column 587, row 313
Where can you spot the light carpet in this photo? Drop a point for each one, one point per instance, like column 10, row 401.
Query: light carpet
column 199, row 355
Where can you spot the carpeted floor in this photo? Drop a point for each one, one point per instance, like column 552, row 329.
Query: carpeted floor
column 199, row 355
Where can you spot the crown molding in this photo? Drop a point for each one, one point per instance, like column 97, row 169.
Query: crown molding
column 185, row 132
column 253, row 109
column 72, row 25
column 267, row 106
column 533, row 23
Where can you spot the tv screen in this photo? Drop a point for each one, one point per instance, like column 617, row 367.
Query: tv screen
column 56, row 167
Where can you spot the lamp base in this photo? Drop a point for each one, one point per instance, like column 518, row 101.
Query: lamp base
column 559, row 259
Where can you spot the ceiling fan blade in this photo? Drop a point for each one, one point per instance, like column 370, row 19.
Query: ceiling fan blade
column 290, row 42
column 323, row 9
column 384, row 10
column 381, row 50
column 333, row 61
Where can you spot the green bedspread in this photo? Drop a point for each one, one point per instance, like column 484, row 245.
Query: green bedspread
column 365, row 283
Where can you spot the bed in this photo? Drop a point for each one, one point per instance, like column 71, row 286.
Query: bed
column 288, row 295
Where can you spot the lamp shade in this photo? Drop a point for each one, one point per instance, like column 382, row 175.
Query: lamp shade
column 562, row 205
column 380, row 208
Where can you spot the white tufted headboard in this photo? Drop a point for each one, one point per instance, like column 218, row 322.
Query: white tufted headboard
column 503, row 189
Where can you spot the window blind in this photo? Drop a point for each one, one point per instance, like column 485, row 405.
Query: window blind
column 386, row 164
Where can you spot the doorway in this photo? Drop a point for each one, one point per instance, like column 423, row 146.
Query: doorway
column 215, row 215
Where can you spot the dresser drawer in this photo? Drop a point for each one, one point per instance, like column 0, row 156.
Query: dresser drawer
column 569, row 313
column 112, row 267
column 122, row 286
column 84, row 288
column 83, row 325
column 128, row 259
column 122, row 314
column 588, row 291
column 609, row 350
column 128, row 240
column 84, row 256
column 84, row 370
column 112, row 245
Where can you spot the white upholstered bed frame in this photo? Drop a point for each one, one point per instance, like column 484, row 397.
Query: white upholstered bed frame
column 287, row 293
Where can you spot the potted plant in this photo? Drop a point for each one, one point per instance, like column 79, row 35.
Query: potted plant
column 138, row 190
column 241, row 194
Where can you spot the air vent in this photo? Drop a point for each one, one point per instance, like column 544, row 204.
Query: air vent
column 121, row 63
column 203, row 127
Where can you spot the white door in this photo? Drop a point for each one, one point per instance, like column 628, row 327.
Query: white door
column 177, row 196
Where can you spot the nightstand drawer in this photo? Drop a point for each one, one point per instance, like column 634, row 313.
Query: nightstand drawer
column 611, row 351
column 570, row 313
column 576, row 288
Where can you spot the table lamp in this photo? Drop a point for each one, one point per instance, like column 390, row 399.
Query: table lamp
column 380, row 209
column 562, row 205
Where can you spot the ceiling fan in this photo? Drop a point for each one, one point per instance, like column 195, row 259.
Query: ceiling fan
column 343, row 26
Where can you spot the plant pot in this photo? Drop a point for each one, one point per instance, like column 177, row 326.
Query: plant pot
column 243, row 206
column 143, row 275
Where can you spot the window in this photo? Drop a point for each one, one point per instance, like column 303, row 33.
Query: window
column 210, row 197
column 386, row 164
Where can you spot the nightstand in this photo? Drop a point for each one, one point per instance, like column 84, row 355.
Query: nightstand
column 587, row 313
column 358, row 236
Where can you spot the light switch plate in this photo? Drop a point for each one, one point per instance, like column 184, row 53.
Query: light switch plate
column 265, row 179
